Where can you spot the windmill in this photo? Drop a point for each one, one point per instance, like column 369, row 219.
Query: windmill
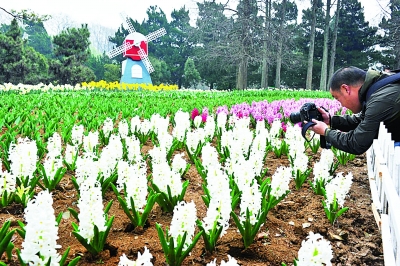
column 137, row 66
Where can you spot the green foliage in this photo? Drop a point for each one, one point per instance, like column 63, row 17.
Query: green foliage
column 192, row 76
column 112, row 72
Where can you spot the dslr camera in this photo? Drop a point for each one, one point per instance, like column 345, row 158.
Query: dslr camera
column 307, row 112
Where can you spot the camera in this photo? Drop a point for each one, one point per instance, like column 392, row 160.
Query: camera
column 307, row 112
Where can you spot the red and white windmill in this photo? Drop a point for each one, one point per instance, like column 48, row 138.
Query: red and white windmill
column 135, row 46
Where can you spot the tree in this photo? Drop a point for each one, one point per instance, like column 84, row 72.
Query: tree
column 18, row 62
column 212, row 35
column 324, row 68
column 355, row 37
column 38, row 38
column 112, row 72
column 192, row 76
column 72, row 52
column 310, row 61
column 391, row 38
column 334, row 39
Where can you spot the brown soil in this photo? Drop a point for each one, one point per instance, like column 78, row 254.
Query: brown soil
column 279, row 239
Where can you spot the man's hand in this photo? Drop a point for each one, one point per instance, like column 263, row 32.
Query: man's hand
column 319, row 127
column 325, row 115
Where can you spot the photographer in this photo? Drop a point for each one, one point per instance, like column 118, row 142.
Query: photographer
column 355, row 133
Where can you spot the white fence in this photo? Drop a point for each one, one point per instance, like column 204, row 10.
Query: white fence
column 383, row 160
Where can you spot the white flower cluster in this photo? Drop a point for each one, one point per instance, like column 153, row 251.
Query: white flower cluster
column 163, row 175
column 194, row 138
column 274, row 134
column 8, row 182
column 315, row 251
column 90, row 141
column 53, row 160
column 231, row 262
column 238, row 139
column 251, row 199
column 110, row 155
column 160, row 127
column 90, row 206
column 258, row 147
column 108, row 126
column 183, row 221
column 142, row 259
column 182, row 125
column 77, row 134
column 86, row 168
column 222, row 118
column 123, row 129
column 321, row 167
column 280, row 181
column 133, row 176
column 133, row 149
column 41, row 232
column 339, row 186
column 23, row 158
column 295, row 140
column 219, row 208
column 209, row 127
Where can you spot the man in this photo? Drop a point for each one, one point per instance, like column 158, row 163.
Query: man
column 355, row 133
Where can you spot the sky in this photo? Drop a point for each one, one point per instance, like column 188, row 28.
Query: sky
column 111, row 14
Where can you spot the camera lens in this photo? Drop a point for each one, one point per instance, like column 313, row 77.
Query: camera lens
column 295, row 117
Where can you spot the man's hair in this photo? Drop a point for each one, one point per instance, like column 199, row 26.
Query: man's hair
column 347, row 75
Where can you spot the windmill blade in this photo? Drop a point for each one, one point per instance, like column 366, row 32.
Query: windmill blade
column 131, row 29
column 145, row 60
column 119, row 50
column 156, row 34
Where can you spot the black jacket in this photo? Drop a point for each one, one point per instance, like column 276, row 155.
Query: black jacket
column 355, row 133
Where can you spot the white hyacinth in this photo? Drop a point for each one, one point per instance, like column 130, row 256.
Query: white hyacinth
column 133, row 148
column 222, row 118
column 231, row 262
column 182, row 125
column 51, row 165
column 209, row 127
column 251, row 199
column 142, row 259
column 134, row 178
column 8, row 182
column 183, row 221
column 280, row 181
column 90, row 141
column 123, row 128
column 70, row 153
column 197, row 121
column 315, row 251
column 86, row 168
column 108, row 126
column 219, row 208
column 179, row 164
column 194, row 138
column 23, row 157
column 77, row 134
column 135, row 124
column 90, row 206
column 54, row 145
column 321, row 168
column 340, row 185
column 41, row 232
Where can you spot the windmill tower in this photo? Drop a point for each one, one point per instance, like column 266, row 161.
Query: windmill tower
column 136, row 68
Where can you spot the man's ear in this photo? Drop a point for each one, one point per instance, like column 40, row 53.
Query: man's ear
column 346, row 88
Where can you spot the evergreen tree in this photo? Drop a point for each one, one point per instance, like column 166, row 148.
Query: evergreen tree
column 391, row 39
column 192, row 76
column 38, row 38
column 72, row 52
column 355, row 36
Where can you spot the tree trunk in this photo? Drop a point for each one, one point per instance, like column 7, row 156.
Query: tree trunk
column 242, row 74
column 324, row 67
column 334, row 39
column 267, row 31
column 310, row 61
column 280, row 44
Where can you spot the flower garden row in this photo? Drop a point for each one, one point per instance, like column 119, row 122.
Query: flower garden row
column 109, row 158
